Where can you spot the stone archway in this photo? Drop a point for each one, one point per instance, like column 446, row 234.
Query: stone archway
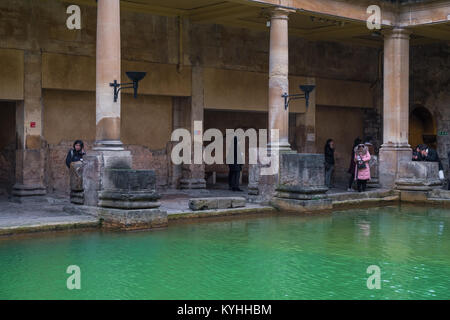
column 422, row 127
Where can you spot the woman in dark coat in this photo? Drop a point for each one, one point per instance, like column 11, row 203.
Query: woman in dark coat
column 76, row 153
column 352, row 167
column 329, row 161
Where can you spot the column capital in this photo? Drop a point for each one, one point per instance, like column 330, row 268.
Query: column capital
column 279, row 13
column 397, row 33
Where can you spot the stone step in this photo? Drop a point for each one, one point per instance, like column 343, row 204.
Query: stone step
column 216, row 203
column 372, row 194
column 439, row 194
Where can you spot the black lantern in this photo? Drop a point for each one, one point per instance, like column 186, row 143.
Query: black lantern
column 307, row 89
column 134, row 76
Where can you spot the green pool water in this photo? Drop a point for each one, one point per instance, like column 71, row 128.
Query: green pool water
column 276, row 257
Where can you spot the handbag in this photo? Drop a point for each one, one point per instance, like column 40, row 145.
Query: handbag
column 361, row 165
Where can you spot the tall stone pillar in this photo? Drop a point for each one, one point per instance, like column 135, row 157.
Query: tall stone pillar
column 108, row 151
column 125, row 198
column 278, row 77
column 194, row 174
column 395, row 147
column 30, row 155
column 260, row 185
column 107, row 70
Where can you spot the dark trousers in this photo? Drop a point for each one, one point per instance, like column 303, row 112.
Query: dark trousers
column 233, row 179
column 362, row 184
column 350, row 182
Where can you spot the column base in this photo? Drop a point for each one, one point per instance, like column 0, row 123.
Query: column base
column 280, row 147
column 389, row 160
column 301, row 185
column 108, row 145
column 23, row 192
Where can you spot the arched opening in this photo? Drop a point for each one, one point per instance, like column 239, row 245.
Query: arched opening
column 422, row 128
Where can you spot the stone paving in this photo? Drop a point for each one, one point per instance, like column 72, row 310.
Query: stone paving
column 49, row 213
column 30, row 215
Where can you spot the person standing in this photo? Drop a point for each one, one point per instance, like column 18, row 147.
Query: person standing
column 76, row 153
column 352, row 166
column 329, row 161
column 234, row 169
column 362, row 168
column 448, row 180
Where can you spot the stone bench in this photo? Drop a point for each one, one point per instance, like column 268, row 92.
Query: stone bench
column 197, row 204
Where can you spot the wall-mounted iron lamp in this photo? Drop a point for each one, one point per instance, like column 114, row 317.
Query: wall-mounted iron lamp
column 134, row 76
column 307, row 89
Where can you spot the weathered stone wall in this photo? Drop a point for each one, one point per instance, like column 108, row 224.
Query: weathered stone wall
column 154, row 39
column 430, row 88
column 242, row 49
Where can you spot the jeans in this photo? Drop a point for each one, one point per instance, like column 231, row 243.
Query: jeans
column 329, row 168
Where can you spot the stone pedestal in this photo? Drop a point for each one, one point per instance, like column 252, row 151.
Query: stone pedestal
column 76, row 183
column 389, row 163
column 418, row 176
column 253, row 179
column 126, row 198
column 301, row 184
column 94, row 166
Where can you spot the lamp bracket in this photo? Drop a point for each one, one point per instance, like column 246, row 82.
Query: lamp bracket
column 118, row 86
column 289, row 97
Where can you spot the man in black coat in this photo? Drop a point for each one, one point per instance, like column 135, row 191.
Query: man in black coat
column 235, row 169
column 430, row 155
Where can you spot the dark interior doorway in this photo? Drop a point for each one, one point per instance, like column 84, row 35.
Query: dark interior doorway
column 7, row 145
column 422, row 128
column 231, row 119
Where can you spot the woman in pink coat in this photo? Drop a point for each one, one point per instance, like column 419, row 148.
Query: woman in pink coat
column 362, row 169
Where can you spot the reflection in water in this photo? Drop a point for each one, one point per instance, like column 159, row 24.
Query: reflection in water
column 279, row 257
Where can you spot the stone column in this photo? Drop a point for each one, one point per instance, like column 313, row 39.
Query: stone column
column 107, row 70
column 30, row 155
column 395, row 147
column 194, row 174
column 278, row 77
column 108, row 151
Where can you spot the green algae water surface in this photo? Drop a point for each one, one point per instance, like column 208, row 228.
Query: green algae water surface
column 281, row 257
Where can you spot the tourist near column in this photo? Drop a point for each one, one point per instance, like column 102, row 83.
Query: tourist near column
column 395, row 146
column 107, row 70
column 278, row 77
